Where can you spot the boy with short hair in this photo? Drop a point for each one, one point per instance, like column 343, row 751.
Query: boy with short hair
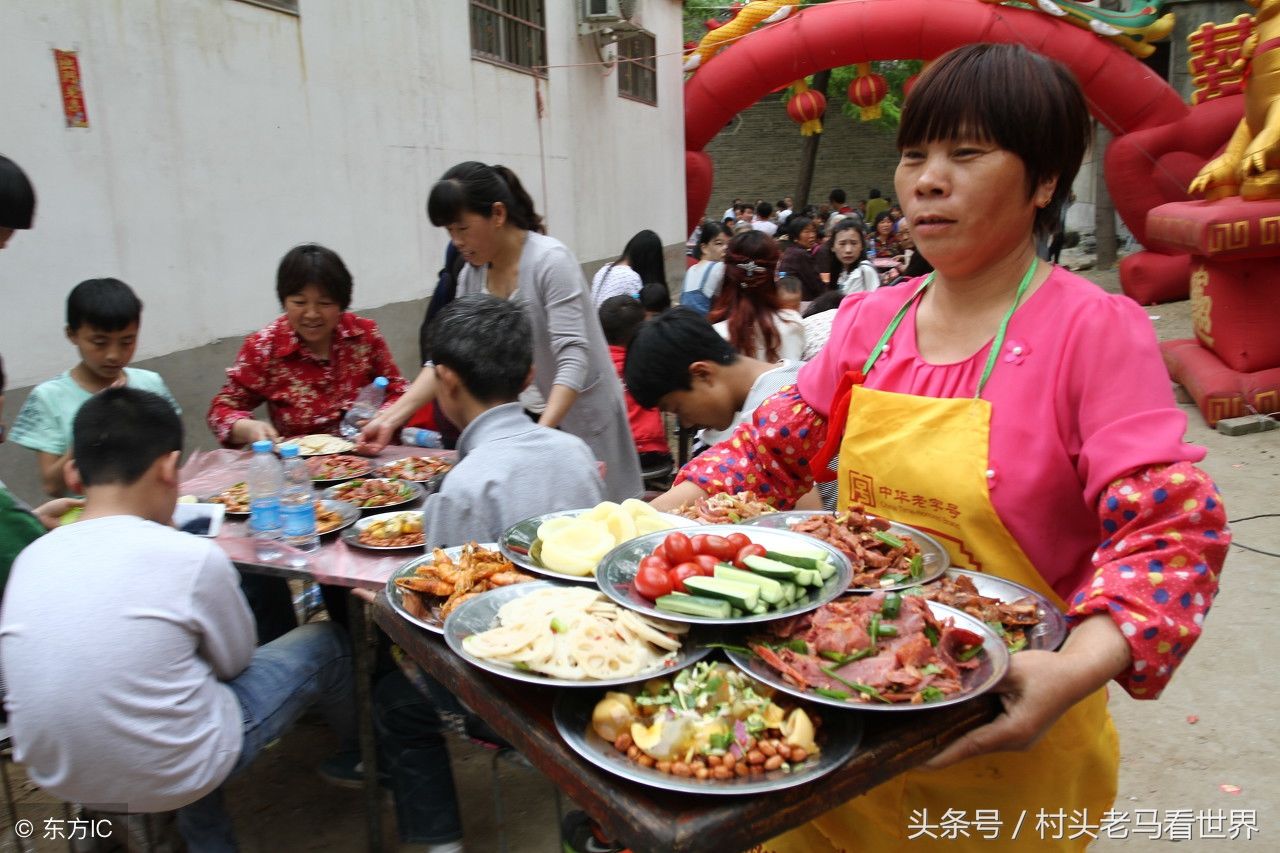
column 620, row 316
column 680, row 364
column 482, row 354
column 103, row 317
column 508, row 469
column 128, row 649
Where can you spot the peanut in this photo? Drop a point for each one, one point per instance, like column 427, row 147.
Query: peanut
column 755, row 756
column 767, row 747
column 664, row 766
column 721, row 772
column 702, row 773
column 774, row 762
column 623, row 743
column 645, row 760
column 633, row 752
column 757, row 769
column 798, row 754
column 679, row 768
column 729, row 760
column 713, row 760
column 740, row 769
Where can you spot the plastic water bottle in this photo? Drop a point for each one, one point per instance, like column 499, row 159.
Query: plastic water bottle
column 266, row 480
column 364, row 408
column 418, row 437
column 297, row 504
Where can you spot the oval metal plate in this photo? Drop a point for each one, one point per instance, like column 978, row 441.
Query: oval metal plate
column 519, row 543
column 395, row 595
column 351, row 535
column 416, row 492
column 841, row 734
column 995, row 663
column 481, row 613
column 618, row 569
column 1046, row 636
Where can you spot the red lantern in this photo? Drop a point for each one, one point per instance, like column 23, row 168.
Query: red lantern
column 806, row 108
column 867, row 91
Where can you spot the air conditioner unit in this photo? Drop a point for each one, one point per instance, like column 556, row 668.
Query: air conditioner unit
column 606, row 11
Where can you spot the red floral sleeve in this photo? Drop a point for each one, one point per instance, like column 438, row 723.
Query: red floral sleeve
column 1157, row 573
column 767, row 454
column 237, row 398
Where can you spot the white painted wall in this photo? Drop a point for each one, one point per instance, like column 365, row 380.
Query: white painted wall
column 222, row 133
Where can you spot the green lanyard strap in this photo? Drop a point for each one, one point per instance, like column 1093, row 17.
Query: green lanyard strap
column 996, row 345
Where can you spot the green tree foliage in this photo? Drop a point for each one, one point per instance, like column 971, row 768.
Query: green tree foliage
column 697, row 12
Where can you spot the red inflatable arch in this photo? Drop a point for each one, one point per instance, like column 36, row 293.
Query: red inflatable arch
column 1125, row 95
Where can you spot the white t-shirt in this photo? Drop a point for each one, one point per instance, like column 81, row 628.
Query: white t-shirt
column 862, row 278
column 614, row 280
column 764, row 387
column 790, row 326
column 705, row 276
column 765, row 225
column 116, row 639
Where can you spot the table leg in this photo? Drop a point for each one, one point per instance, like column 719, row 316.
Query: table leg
column 364, row 639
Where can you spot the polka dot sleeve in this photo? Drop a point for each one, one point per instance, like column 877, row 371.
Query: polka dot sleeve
column 1156, row 574
column 767, row 454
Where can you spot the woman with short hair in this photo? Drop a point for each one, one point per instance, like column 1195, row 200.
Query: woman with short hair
column 1022, row 416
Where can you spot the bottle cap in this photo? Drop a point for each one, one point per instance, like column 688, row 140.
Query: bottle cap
column 289, row 451
column 262, row 446
column 381, row 382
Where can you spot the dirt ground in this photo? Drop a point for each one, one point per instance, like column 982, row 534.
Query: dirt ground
column 1208, row 744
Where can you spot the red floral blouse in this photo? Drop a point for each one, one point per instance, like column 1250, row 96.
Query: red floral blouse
column 1162, row 534
column 303, row 392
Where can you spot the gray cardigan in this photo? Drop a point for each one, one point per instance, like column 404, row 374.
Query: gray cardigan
column 569, row 349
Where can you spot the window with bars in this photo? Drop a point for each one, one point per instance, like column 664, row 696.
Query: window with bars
column 638, row 68
column 510, row 32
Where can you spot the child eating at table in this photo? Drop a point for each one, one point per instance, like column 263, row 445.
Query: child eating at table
column 508, row 469
column 128, row 649
column 620, row 316
column 103, row 318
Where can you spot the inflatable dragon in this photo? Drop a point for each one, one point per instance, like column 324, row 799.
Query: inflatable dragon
column 1133, row 28
column 743, row 22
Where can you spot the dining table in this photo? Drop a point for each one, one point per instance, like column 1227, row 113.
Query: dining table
column 207, row 473
column 644, row 818
column 649, row 819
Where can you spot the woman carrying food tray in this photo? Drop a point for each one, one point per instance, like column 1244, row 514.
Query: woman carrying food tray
column 1021, row 416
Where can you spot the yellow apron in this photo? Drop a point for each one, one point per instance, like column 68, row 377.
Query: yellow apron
column 936, row 452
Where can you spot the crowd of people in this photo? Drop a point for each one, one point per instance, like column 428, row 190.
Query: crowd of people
column 831, row 356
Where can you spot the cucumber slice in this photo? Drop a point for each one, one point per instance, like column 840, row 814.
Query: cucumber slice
column 760, row 609
column 770, row 589
column 743, row 595
column 773, row 569
column 803, row 561
column 827, row 569
column 809, row 577
column 694, row 605
column 788, row 591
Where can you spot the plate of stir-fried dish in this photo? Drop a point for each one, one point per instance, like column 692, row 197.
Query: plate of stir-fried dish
column 427, row 589
column 725, row 508
column 879, row 652
column 885, row 555
column 1024, row 618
